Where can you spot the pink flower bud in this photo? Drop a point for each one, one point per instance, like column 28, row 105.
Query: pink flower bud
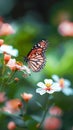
column 11, row 125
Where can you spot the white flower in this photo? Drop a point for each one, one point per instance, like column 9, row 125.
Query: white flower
column 48, row 87
column 25, row 68
column 64, row 84
column 11, row 64
column 9, row 50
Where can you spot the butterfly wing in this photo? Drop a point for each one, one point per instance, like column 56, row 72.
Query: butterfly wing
column 36, row 62
column 43, row 44
column 36, row 57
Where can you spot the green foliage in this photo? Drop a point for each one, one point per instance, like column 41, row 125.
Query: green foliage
column 59, row 60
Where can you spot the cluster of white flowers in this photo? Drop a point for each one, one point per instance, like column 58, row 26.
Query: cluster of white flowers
column 55, row 84
column 9, row 50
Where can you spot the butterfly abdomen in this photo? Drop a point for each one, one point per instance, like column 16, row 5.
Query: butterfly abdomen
column 25, row 59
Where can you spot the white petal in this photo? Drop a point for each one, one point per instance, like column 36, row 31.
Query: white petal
column 40, row 91
column 6, row 48
column 9, row 49
column 26, row 69
column 1, row 51
column 40, row 84
column 67, row 91
column 55, row 78
column 48, row 81
column 14, row 52
column 11, row 62
column 56, row 87
column 67, row 83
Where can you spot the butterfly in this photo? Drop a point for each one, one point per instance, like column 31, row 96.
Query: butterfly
column 36, row 58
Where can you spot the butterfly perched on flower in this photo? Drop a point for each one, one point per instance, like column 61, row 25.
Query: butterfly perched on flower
column 36, row 57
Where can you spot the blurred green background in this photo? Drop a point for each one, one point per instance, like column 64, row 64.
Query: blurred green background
column 36, row 20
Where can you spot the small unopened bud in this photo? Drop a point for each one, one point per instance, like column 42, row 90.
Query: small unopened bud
column 11, row 125
column 26, row 97
column 7, row 58
column 1, row 42
column 16, row 79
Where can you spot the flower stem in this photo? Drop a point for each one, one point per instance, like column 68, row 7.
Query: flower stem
column 10, row 77
column 44, row 114
column 4, row 84
column 3, row 72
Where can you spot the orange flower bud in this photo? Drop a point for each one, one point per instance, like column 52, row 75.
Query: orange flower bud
column 61, row 82
column 1, row 42
column 55, row 110
column 16, row 79
column 26, row 96
column 52, row 123
column 13, row 106
column 11, row 125
column 7, row 58
column 6, row 29
column 2, row 97
column 66, row 28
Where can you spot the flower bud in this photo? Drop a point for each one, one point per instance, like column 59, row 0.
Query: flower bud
column 11, row 125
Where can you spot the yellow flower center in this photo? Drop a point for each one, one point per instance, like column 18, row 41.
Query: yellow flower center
column 48, row 85
column 61, row 82
column 19, row 63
